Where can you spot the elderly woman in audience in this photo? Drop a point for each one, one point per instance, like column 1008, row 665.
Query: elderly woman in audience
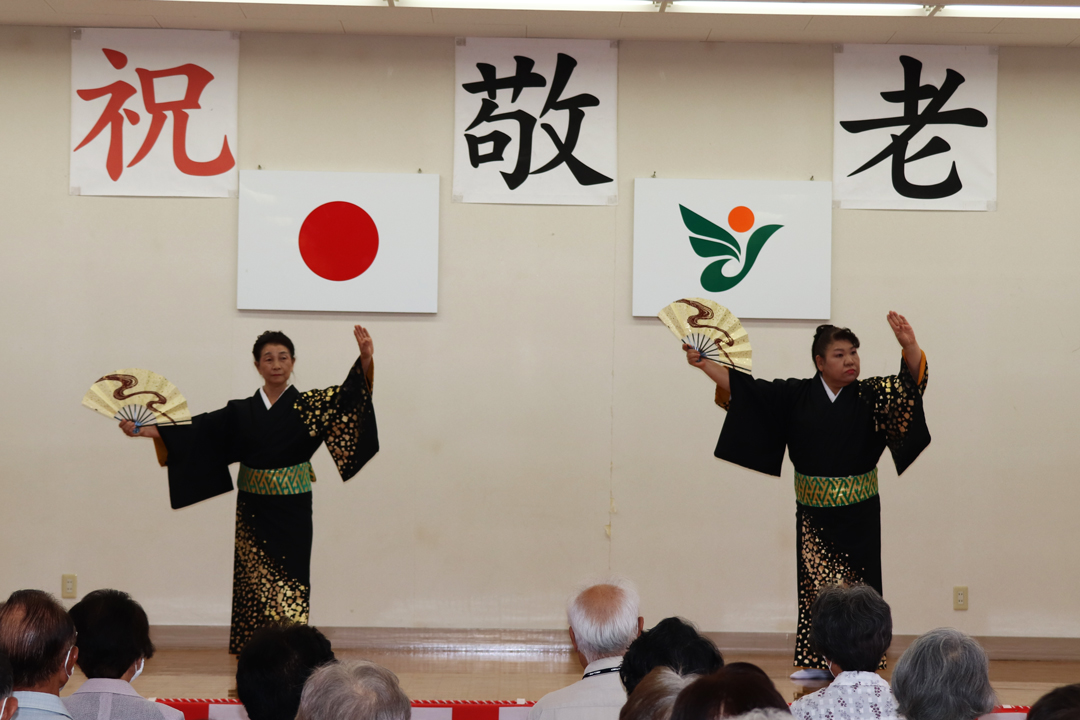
column 673, row 643
column 654, row 697
column 734, row 690
column 353, row 690
column 943, row 675
column 114, row 643
column 851, row 628
column 1060, row 704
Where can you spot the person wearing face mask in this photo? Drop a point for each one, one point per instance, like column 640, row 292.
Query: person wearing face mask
column 834, row 427
column 114, row 644
column 272, row 434
column 851, row 630
column 38, row 637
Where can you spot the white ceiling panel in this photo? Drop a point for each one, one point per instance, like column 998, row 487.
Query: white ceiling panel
column 243, row 24
column 272, row 17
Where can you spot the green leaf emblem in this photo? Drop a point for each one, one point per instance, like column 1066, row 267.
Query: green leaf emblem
column 723, row 245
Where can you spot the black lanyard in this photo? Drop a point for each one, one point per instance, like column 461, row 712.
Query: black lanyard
column 602, row 671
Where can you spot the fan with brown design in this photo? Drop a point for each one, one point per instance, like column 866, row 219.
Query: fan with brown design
column 141, row 396
column 711, row 329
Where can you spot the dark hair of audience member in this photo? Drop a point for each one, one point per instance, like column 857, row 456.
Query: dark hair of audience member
column 37, row 634
column 273, row 667
column 113, row 633
column 674, row 643
column 943, row 675
column 7, row 682
column 655, row 695
column 733, row 690
column 851, row 626
column 1062, row 703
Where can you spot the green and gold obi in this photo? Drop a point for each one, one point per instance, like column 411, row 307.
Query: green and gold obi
column 835, row 492
column 291, row 480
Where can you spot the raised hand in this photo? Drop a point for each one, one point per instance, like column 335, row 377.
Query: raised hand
column 364, row 342
column 901, row 329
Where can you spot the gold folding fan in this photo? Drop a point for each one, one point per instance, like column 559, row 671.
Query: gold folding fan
column 711, row 329
column 138, row 395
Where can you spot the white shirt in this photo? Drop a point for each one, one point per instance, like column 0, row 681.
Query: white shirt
column 108, row 699
column 266, row 399
column 39, row 706
column 599, row 697
column 851, row 696
column 828, row 391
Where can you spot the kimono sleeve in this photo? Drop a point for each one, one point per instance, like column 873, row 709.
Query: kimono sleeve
column 198, row 457
column 343, row 417
column 755, row 430
column 898, row 412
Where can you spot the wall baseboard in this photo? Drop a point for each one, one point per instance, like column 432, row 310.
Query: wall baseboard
column 544, row 642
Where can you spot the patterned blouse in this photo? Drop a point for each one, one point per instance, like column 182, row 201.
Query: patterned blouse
column 851, row 696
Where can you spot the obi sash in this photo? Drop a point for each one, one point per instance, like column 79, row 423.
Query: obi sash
column 835, row 492
column 291, row 480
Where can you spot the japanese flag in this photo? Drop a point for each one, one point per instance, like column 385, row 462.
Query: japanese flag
column 351, row 242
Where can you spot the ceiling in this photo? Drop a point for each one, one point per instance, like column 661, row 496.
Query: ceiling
column 530, row 23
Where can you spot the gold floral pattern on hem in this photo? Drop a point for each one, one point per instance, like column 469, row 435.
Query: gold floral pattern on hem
column 263, row 593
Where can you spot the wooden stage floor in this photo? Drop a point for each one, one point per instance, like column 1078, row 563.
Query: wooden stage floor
column 206, row 673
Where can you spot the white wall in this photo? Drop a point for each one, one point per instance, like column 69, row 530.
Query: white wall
column 536, row 400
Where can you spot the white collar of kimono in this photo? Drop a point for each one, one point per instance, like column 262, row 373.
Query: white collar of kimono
column 828, row 391
column 266, row 400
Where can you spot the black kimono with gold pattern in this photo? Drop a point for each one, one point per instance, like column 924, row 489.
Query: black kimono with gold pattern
column 835, row 447
column 272, row 561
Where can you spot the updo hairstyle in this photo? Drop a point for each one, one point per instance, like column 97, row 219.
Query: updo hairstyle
column 272, row 337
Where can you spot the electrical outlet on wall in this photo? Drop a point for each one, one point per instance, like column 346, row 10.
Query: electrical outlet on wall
column 69, row 584
column 960, row 597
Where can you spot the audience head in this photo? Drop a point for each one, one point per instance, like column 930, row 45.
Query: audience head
column 673, row 643
column 733, row 690
column 353, row 690
column 1060, row 704
column 655, row 695
column 851, row 626
column 943, row 675
column 273, row 667
column 604, row 619
column 38, row 636
column 8, row 704
column 114, row 634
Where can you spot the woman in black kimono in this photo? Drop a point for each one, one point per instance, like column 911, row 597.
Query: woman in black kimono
column 273, row 435
column 834, row 427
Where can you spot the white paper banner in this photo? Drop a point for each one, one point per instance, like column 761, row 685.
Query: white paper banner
column 153, row 112
column 915, row 127
column 535, row 121
column 763, row 249
column 350, row 242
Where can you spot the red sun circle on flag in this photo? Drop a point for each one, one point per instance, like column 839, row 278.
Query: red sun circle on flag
column 338, row 241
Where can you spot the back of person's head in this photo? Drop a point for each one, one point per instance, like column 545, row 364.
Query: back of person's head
column 851, row 626
column 114, row 633
column 1062, row 703
column 604, row 619
column 7, row 682
column 273, row 667
column 37, row 634
column 655, row 695
column 943, row 675
column 733, row 690
column 353, row 690
column 673, row 643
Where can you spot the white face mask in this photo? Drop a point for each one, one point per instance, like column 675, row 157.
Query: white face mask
column 138, row 669
column 3, row 707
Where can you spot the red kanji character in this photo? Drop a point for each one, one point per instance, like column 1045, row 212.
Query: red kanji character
column 198, row 79
column 119, row 92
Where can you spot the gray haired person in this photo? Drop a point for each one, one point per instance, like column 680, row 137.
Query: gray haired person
column 353, row 690
column 604, row 621
column 943, row 675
